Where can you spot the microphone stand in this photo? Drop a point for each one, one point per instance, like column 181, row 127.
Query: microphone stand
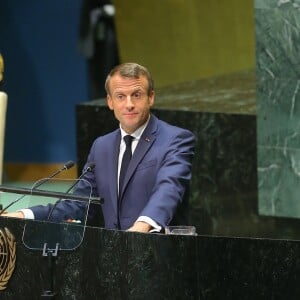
column 66, row 166
column 37, row 192
column 89, row 168
column 51, row 254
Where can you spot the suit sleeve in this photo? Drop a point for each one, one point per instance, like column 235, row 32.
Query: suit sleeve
column 172, row 179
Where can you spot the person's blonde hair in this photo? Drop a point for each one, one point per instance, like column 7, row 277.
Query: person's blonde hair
column 1, row 67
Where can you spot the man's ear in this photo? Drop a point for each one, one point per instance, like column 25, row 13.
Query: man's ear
column 152, row 98
column 109, row 102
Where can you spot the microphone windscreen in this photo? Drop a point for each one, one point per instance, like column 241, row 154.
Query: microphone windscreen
column 69, row 164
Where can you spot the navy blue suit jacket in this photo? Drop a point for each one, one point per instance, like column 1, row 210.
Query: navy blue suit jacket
column 156, row 184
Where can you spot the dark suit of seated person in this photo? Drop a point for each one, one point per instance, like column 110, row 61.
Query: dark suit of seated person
column 154, row 191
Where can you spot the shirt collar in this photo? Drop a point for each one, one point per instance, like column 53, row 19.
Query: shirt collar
column 138, row 133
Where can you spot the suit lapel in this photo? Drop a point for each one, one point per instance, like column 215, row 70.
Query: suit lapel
column 147, row 139
column 114, row 169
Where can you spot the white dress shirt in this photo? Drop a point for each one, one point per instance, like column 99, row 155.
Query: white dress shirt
column 136, row 137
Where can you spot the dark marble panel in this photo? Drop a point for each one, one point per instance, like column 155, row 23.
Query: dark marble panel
column 224, row 197
column 113, row 265
column 158, row 262
column 104, row 256
column 231, row 93
column 238, row 268
column 92, row 120
column 277, row 43
column 224, row 167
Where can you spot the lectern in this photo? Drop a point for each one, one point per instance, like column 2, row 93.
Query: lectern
column 111, row 264
column 49, row 237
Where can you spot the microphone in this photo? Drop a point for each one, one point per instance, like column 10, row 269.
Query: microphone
column 89, row 168
column 68, row 165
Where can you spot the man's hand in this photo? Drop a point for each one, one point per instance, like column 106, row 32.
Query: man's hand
column 17, row 214
column 140, row 227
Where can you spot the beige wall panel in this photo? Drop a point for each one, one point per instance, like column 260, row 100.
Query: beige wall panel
column 181, row 40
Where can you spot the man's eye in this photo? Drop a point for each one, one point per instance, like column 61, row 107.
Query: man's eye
column 137, row 95
column 120, row 97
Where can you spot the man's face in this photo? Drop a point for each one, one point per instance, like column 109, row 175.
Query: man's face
column 129, row 99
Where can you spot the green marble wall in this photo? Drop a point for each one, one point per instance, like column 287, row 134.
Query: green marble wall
column 278, row 106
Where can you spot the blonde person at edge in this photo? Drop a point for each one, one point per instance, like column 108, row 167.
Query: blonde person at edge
column 1, row 67
column 155, row 189
column 3, row 109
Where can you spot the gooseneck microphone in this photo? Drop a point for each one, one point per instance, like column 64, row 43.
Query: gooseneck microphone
column 89, row 168
column 68, row 165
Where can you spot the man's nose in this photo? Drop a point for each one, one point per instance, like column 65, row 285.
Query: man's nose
column 129, row 102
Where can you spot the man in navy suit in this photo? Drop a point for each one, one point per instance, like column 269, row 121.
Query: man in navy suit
column 154, row 192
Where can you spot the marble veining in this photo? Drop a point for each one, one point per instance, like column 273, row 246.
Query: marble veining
column 278, row 95
column 265, row 4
